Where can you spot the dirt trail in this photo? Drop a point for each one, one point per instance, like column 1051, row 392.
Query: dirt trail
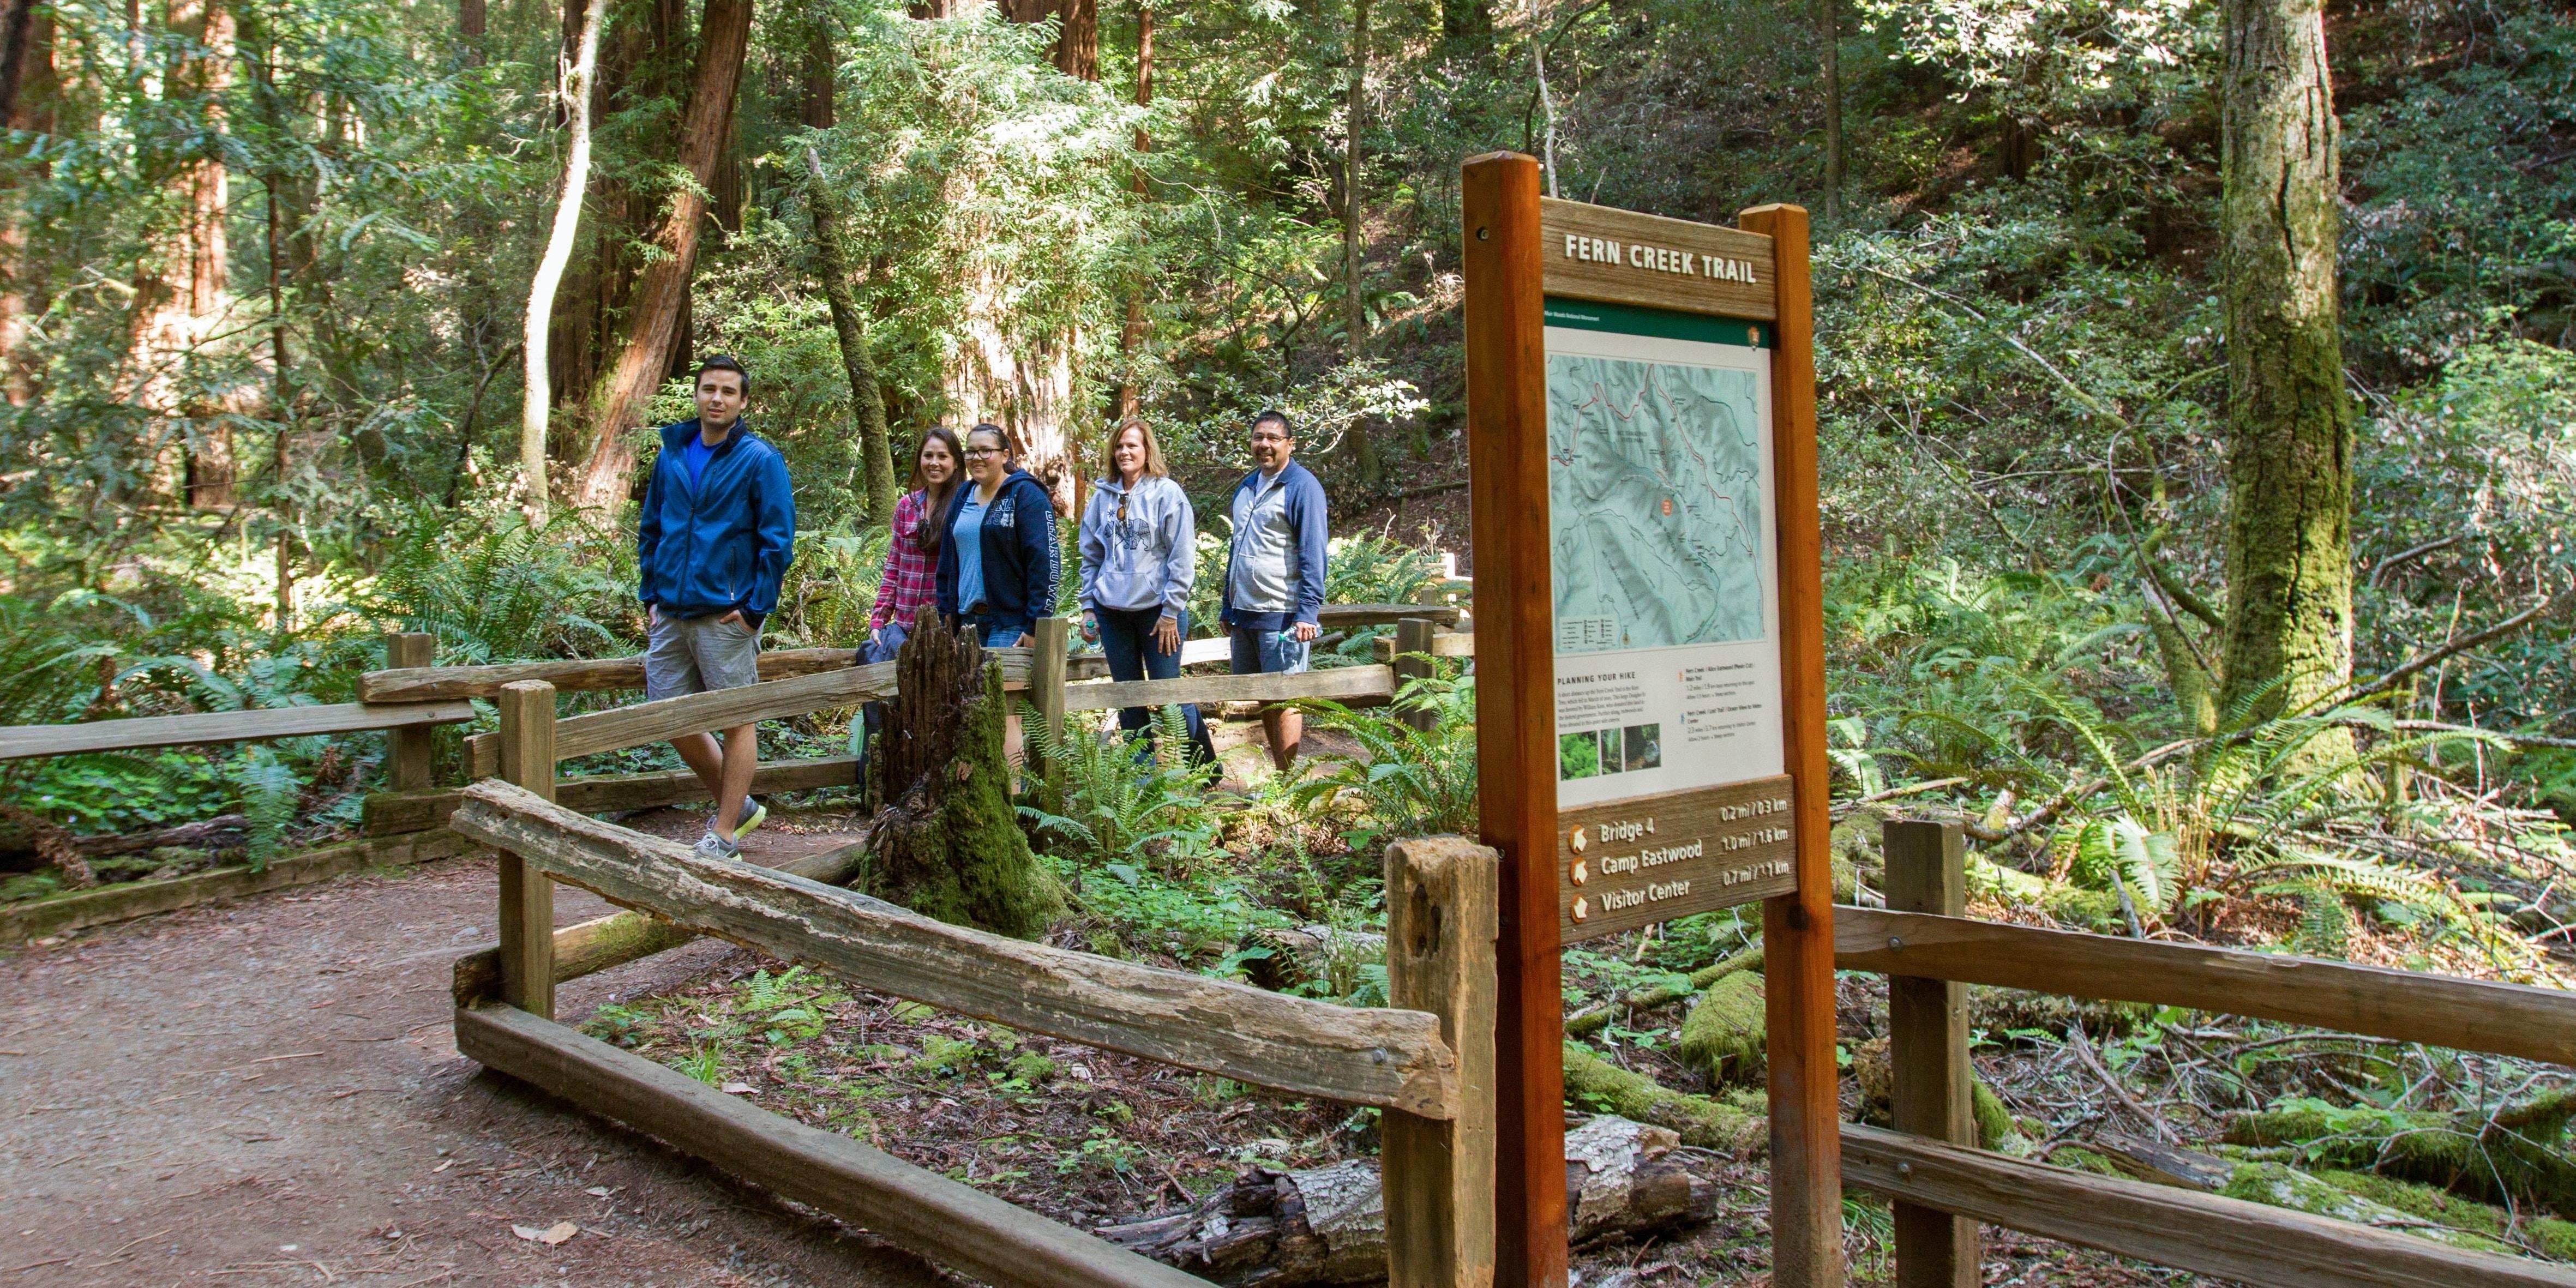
column 269, row 1093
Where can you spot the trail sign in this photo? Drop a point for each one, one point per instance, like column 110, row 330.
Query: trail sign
column 1650, row 649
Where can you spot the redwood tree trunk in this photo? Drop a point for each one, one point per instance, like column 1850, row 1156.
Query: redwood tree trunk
column 1829, row 34
column 26, row 103
column 1354, row 241
column 1131, row 337
column 2289, row 469
column 867, row 405
column 653, row 321
column 1077, row 41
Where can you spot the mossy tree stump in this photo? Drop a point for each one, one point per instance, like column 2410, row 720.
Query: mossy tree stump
column 946, row 842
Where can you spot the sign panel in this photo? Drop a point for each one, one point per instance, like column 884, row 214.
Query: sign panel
column 1667, row 587
column 1633, row 863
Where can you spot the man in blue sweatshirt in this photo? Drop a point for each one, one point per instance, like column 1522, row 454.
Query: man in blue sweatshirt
column 1274, row 575
column 713, row 543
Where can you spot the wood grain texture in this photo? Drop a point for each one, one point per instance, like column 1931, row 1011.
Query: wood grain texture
column 1439, row 1176
column 1798, row 930
column 527, row 895
column 589, row 947
column 394, row 813
column 1584, row 268
column 2229, row 1238
column 954, row 1224
column 2439, row 1010
column 1928, row 1053
column 405, row 683
column 1702, row 848
column 1047, row 672
column 409, row 751
column 123, row 902
column 1388, row 1058
column 1338, row 683
column 1504, row 314
column 18, row 742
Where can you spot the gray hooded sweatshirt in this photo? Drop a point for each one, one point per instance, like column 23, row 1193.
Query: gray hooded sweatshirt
column 1146, row 559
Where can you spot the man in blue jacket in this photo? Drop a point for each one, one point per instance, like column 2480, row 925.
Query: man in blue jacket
column 1274, row 575
column 713, row 543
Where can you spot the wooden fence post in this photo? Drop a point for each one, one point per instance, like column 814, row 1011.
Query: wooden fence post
column 1051, row 637
column 1928, row 1052
column 1413, row 637
column 1442, row 918
column 528, row 898
column 407, row 761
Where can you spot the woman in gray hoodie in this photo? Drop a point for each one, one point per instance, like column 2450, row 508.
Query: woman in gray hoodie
column 1139, row 555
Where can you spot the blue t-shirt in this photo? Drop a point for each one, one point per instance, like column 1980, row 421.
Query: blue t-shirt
column 693, row 457
column 969, row 536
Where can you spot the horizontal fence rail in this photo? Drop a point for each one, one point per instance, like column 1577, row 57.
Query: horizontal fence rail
column 1388, row 1058
column 1208, row 690
column 18, row 742
column 593, row 675
column 2185, row 1229
column 2410, row 1006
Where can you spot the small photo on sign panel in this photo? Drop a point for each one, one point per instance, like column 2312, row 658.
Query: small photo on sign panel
column 1645, row 746
column 1578, row 755
column 1612, row 761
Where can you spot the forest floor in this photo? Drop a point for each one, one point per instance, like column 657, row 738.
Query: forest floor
column 269, row 1093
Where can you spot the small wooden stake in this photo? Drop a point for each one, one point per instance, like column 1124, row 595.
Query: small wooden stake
column 528, row 898
column 1439, row 1176
column 1413, row 662
column 1051, row 636
column 1928, row 1052
column 407, row 762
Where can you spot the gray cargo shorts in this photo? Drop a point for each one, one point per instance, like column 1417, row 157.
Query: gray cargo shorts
column 684, row 655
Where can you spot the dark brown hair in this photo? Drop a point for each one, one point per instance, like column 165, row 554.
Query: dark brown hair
column 935, row 500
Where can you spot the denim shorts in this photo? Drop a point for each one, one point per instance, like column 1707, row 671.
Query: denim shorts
column 1258, row 652
column 684, row 655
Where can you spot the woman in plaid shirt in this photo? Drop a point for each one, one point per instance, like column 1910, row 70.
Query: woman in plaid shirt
column 912, row 561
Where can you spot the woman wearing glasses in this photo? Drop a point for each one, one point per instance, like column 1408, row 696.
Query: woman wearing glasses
column 1139, row 555
column 997, row 553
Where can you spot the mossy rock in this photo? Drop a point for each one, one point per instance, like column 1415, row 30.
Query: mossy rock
column 1725, row 1034
column 2551, row 1237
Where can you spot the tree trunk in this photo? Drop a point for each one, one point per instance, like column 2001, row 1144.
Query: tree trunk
column 1077, row 39
column 2289, row 468
column 947, row 842
column 652, row 322
column 550, row 269
column 26, row 103
column 180, row 302
column 470, row 23
column 1131, row 337
column 1829, row 33
column 1462, row 20
column 1354, row 216
column 1327, row 1225
column 819, row 72
column 867, row 405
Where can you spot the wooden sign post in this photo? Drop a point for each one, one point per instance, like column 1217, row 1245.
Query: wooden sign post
column 1650, row 650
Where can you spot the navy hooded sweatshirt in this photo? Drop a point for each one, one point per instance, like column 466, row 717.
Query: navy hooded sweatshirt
column 1020, row 557
column 720, row 543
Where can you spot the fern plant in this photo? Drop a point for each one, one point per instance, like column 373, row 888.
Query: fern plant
column 1405, row 781
column 1105, row 798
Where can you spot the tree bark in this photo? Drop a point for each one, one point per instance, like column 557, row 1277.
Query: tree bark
column 1077, row 39
column 724, row 33
column 947, row 841
column 1830, row 35
column 1131, row 337
column 832, row 260
column 1462, row 20
column 470, row 24
column 26, row 103
column 817, row 111
column 541, row 292
column 179, row 299
column 1354, row 242
column 2289, row 469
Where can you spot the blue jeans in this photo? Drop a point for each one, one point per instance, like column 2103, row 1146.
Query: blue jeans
column 990, row 635
column 1127, row 637
column 1258, row 652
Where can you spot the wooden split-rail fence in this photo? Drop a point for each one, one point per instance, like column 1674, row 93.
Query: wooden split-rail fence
column 406, row 823
column 1943, row 1186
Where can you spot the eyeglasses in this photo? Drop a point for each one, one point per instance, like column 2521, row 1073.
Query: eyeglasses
column 972, row 452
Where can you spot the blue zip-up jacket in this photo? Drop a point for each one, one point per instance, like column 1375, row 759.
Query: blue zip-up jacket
column 722, row 544
column 1020, row 558
column 1274, row 567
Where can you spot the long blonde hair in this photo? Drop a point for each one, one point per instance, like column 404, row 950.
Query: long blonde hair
column 1154, row 465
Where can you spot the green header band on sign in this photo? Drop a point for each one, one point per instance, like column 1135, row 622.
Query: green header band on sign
column 1669, row 324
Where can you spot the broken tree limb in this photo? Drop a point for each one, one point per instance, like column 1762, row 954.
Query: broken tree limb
column 1588, row 1022
column 1592, row 1081
column 1327, row 1225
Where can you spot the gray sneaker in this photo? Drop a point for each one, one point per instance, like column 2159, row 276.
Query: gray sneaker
column 754, row 814
column 712, row 846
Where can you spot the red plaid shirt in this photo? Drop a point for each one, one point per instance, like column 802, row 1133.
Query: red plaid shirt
column 911, row 577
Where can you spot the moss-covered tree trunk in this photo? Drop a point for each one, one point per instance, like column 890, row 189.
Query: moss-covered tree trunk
column 2289, row 529
column 946, row 842
column 867, row 405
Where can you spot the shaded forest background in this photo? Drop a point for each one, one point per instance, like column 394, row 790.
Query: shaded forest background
column 267, row 265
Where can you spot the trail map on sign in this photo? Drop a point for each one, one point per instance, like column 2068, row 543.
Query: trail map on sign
column 1656, row 485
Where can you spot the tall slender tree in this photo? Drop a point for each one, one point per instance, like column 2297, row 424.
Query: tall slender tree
column 2290, row 423
column 652, row 325
column 1131, row 337
column 26, row 104
column 538, row 394
column 1829, row 37
column 849, row 326
column 1354, row 230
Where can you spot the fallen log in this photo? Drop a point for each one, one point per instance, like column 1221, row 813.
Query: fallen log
column 1327, row 1225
